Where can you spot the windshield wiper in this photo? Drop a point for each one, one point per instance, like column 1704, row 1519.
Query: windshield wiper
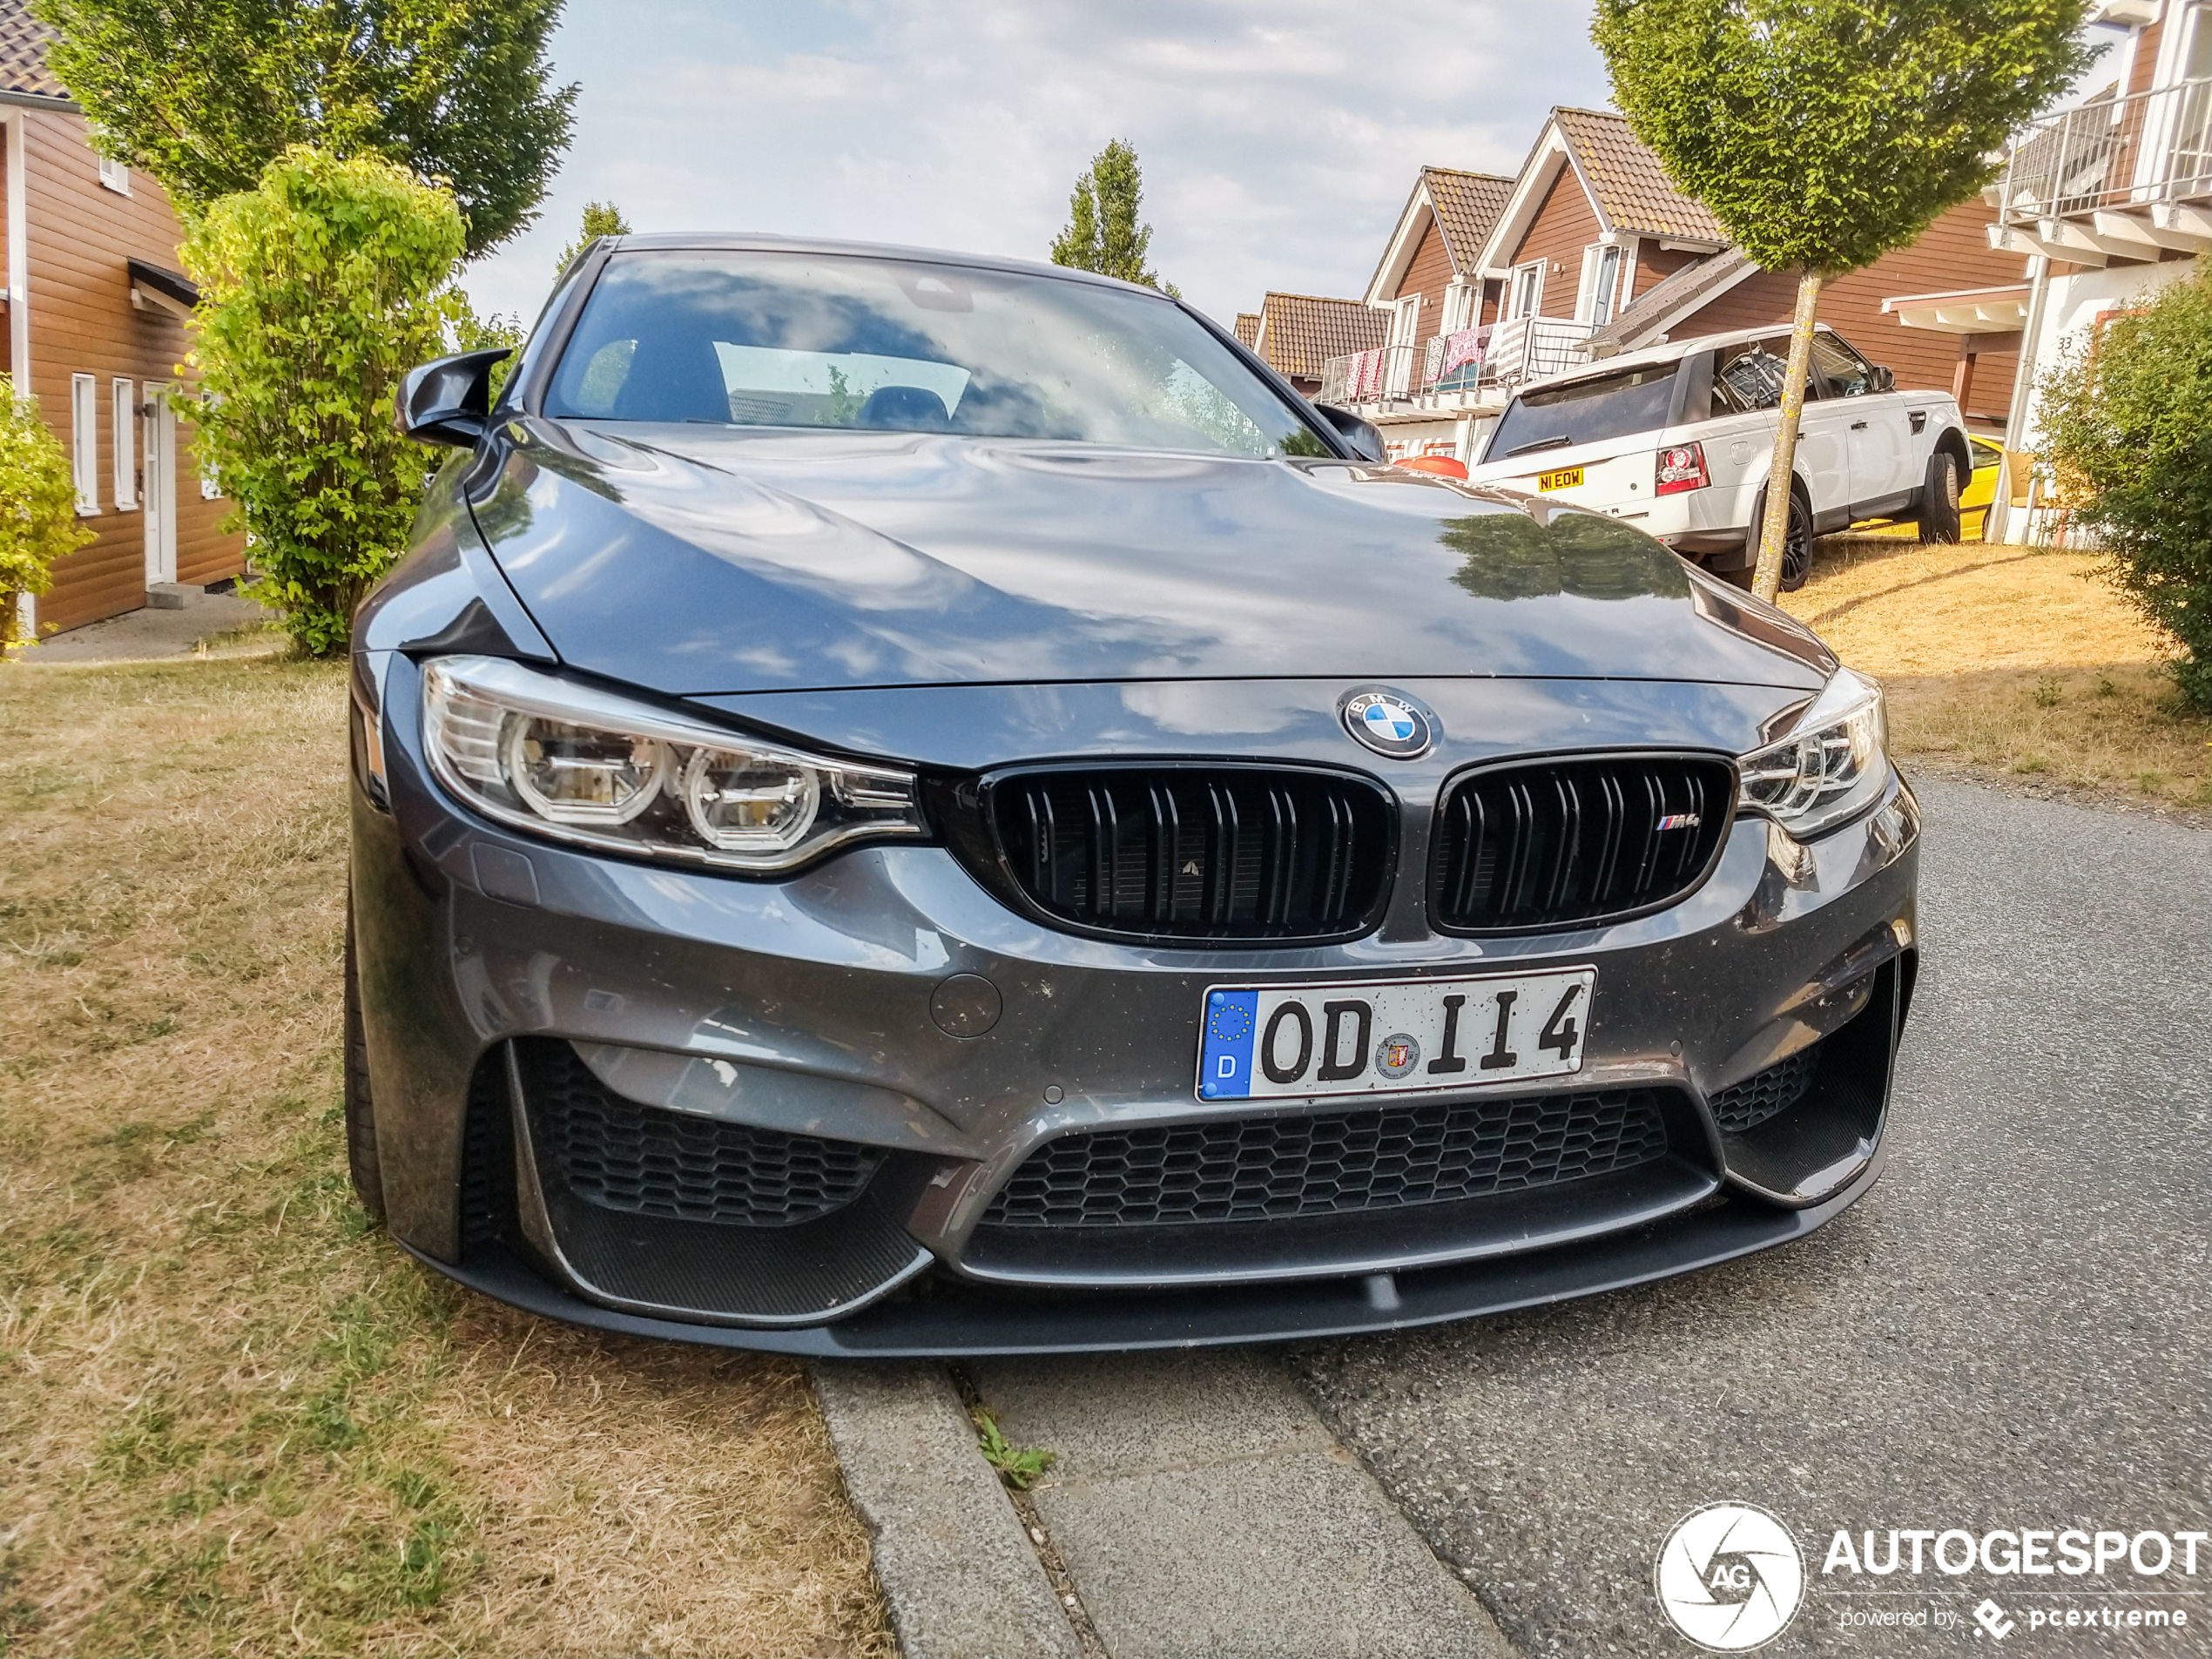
column 1560, row 442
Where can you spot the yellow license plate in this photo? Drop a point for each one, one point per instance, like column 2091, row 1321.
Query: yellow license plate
column 1565, row 478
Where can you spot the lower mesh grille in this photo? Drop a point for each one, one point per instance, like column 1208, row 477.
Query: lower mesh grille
column 487, row 1157
column 621, row 1156
column 1264, row 1169
column 1744, row 1106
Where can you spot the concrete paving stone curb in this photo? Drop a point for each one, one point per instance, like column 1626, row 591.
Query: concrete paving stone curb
column 960, row 1578
column 1205, row 1511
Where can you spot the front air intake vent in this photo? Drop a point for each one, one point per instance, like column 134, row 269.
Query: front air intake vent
column 1576, row 842
column 1198, row 852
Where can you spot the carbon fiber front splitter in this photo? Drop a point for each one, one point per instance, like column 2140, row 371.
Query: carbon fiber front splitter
column 947, row 1317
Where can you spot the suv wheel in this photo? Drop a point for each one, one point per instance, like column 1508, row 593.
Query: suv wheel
column 1940, row 499
column 361, row 1113
column 1797, row 541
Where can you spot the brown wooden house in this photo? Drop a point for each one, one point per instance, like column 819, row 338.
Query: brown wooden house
column 95, row 328
column 1591, row 250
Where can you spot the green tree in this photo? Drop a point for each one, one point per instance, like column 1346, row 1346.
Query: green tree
column 1823, row 133
column 600, row 218
column 38, row 522
column 1103, row 233
column 203, row 94
column 2127, row 422
column 466, row 331
column 320, row 290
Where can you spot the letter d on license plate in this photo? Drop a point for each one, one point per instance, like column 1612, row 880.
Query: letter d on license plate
column 1378, row 1036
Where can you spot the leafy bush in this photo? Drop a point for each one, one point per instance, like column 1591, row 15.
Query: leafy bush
column 2127, row 421
column 37, row 504
column 322, row 289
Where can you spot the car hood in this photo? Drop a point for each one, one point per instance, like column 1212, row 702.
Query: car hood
column 695, row 561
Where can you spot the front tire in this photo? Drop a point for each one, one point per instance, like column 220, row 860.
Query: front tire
column 361, row 1111
column 1940, row 499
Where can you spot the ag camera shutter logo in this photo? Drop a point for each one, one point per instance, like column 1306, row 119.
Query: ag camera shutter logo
column 1730, row 1577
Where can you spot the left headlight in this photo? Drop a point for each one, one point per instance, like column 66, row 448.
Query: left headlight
column 1834, row 763
column 581, row 765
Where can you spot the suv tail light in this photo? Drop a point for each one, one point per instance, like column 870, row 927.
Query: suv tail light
column 1680, row 468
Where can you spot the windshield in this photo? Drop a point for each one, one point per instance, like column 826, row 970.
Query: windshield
column 1588, row 411
column 810, row 339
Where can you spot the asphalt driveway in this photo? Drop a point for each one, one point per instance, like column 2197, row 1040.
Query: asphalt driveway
column 2011, row 1331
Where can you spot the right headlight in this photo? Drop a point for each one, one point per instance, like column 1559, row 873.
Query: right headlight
column 1834, row 763
column 577, row 764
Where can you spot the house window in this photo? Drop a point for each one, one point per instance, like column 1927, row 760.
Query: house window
column 115, row 175
column 1406, row 320
column 84, row 441
column 124, row 434
column 1527, row 292
column 1459, row 309
column 1601, row 268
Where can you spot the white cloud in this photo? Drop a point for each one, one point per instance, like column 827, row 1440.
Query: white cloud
column 1278, row 137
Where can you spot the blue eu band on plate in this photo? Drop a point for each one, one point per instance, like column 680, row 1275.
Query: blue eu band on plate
column 1365, row 1036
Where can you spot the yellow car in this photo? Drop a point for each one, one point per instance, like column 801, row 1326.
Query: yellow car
column 1974, row 501
column 1981, row 493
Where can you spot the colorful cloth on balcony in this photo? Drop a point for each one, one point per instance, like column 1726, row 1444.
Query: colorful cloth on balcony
column 1363, row 375
column 1462, row 348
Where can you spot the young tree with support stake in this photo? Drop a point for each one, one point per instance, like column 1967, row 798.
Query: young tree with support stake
column 1824, row 133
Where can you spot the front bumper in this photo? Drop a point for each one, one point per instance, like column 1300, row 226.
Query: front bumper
column 499, row 972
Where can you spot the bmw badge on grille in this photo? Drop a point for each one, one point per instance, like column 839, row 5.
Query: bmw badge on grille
column 1388, row 722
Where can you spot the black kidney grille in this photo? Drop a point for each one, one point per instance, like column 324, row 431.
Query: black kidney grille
column 1260, row 1169
column 1744, row 1106
column 622, row 1156
column 1198, row 854
column 1565, row 841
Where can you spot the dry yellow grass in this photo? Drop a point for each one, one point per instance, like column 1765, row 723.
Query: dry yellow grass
column 233, row 1419
column 2011, row 664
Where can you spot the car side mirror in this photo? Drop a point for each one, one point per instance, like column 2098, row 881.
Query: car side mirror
column 1364, row 437
column 1884, row 380
column 448, row 400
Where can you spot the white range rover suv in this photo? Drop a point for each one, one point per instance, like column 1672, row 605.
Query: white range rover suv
column 1679, row 439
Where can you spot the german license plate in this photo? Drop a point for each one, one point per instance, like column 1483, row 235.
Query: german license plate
column 1377, row 1037
column 1565, row 478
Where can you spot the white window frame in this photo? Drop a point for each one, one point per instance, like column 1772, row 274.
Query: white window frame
column 115, row 175
column 1405, row 320
column 1459, row 311
column 124, row 431
column 1531, row 277
column 84, row 443
column 1595, row 304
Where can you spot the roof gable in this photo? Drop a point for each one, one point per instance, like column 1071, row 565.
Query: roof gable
column 1248, row 328
column 1627, row 184
column 1628, row 191
column 1463, row 205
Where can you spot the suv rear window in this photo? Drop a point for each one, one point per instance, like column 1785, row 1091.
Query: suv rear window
column 1602, row 407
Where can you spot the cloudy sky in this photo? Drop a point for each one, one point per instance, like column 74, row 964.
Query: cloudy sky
column 1279, row 138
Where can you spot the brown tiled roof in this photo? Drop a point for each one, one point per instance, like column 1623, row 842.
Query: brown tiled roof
column 1633, row 190
column 1303, row 331
column 22, row 54
column 1248, row 328
column 1467, row 205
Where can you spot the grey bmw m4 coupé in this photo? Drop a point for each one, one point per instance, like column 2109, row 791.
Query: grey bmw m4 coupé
column 911, row 804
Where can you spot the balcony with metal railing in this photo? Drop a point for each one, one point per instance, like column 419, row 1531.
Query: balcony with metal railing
column 1472, row 371
column 2118, row 178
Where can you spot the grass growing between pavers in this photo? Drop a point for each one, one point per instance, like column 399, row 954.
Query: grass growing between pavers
column 2012, row 664
column 233, row 1417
